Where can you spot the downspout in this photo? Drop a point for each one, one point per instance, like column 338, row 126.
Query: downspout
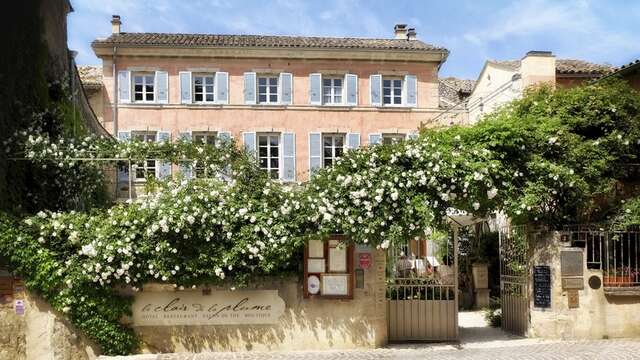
column 115, row 93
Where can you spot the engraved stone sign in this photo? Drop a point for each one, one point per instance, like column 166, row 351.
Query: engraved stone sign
column 573, row 283
column 194, row 308
column 571, row 262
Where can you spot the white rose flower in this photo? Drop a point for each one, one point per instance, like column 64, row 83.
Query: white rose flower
column 491, row 193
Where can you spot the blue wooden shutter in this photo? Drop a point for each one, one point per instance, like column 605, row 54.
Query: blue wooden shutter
column 289, row 157
column 351, row 82
column 123, row 169
column 412, row 90
column 186, row 168
column 375, row 139
column 286, row 88
column 315, row 152
column 315, row 89
column 353, row 140
column 375, row 83
column 164, row 167
column 124, row 86
column 162, row 87
column 249, row 141
column 185, row 87
column 222, row 87
column 249, row 88
column 224, row 136
column 412, row 135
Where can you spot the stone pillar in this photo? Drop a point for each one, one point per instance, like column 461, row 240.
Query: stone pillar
column 380, row 292
column 481, row 284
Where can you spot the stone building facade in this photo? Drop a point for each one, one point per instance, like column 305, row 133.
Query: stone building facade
column 298, row 102
column 500, row 82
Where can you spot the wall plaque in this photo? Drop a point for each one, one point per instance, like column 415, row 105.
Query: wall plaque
column 542, row 286
column 219, row 308
column 573, row 283
column 573, row 299
column 359, row 279
column 365, row 260
column 571, row 262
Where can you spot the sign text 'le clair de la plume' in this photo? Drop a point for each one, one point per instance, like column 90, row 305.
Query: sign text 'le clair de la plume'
column 218, row 308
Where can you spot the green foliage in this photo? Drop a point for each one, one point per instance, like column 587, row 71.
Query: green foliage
column 543, row 158
column 629, row 214
column 493, row 313
column 94, row 310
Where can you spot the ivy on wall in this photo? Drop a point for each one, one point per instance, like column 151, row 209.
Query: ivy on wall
column 541, row 159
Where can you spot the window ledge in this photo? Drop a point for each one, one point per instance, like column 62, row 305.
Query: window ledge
column 622, row 291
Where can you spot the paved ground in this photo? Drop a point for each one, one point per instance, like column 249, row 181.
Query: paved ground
column 476, row 342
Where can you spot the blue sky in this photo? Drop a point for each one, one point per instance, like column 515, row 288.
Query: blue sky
column 606, row 31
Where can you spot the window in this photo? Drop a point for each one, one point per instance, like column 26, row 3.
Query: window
column 332, row 148
column 269, row 154
column 332, row 91
column 391, row 91
column 268, row 90
column 203, row 88
column 389, row 139
column 147, row 167
column 208, row 137
column 143, row 87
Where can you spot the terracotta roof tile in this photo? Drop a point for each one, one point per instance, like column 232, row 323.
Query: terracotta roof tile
column 90, row 75
column 453, row 91
column 566, row 66
column 209, row 40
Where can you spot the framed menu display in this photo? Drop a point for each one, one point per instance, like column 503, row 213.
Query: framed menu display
column 316, row 249
column 335, row 284
column 328, row 268
column 337, row 258
column 315, row 265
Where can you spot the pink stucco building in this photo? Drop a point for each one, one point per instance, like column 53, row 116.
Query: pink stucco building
column 298, row 102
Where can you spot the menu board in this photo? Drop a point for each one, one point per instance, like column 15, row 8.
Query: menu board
column 542, row 286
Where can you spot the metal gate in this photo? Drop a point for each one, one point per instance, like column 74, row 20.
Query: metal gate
column 422, row 297
column 514, row 279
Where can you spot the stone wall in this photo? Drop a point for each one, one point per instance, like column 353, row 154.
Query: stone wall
column 307, row 324
column 40, row 333
column 598, row 315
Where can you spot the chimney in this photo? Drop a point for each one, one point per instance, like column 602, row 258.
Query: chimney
column 400, row 31
column 115, row 24
column 538, row 67
column 411, row 34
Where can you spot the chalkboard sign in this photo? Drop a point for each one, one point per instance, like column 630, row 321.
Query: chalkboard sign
column 542, row 286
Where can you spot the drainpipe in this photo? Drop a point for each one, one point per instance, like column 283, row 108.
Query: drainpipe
column 115, row 93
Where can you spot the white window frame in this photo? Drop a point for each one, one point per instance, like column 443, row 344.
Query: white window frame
column 332, row 90
column 392, row 138
column 203, row 137
column 333, row 147
column 150, row 136
column 395, row 91
column 204, row 92
column 268, row 90
column 269, row 169
column 144, row 76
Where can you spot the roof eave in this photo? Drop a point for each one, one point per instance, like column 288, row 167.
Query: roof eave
column 428, row 55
